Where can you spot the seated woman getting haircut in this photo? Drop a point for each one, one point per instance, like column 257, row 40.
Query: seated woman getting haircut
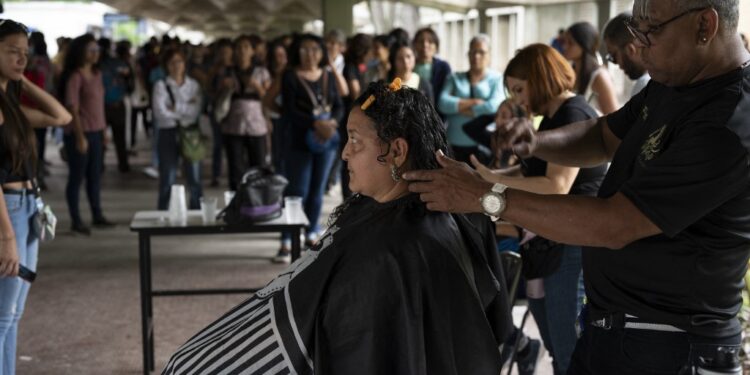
column 390, row 288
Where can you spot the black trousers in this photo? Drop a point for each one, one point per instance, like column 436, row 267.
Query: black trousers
column 115, row 113
column 625, row 351
column 243, row 152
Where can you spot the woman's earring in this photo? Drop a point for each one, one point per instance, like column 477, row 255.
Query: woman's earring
column 394, row 173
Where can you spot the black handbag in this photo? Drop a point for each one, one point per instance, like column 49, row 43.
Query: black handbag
column 541, row 257
column 258, row 198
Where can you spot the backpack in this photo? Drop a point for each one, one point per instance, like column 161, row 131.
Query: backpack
column 258, row 198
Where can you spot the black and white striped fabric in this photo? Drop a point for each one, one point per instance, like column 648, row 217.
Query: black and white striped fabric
column 387, row 292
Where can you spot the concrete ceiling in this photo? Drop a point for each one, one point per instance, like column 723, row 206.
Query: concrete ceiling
column 231, row 17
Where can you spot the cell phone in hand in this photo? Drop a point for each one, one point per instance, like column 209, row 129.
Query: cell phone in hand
column 26, row 274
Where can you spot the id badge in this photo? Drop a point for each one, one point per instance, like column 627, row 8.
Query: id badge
column 322, row 113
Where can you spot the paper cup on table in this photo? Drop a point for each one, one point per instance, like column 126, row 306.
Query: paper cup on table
column 293, row 208
column 209, row 209
column 177, row 204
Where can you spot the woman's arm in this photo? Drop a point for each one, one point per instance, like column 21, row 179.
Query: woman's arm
column 497, row 95
column 449, row 103
column 341, row 86
column 558, row 180
column 73, row 100
column 8, row 249
column 269, row 100
column 50, row 112
column 605, row 92
column 189, row 111
column 162, row 105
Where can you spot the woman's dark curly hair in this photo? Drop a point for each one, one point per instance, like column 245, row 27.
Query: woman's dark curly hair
column 406, row 114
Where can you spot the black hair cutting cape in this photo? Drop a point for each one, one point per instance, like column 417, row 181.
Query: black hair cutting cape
column 389, row 289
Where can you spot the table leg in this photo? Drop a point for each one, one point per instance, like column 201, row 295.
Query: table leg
column 144, row 268
column 150, row 307
column 296, row 244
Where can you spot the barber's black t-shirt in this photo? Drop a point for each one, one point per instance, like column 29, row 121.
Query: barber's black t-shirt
column 683, row 162
column 572, row 110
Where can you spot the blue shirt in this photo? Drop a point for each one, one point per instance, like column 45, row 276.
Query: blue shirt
column 457, row 87
column 115, row 85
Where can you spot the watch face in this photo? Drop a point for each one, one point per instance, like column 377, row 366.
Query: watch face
column 491, row 203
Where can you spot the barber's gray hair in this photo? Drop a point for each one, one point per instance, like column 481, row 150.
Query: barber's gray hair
column 728, row 10
column 484, row 38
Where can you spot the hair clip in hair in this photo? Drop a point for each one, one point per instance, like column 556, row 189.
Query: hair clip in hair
column 393, row 87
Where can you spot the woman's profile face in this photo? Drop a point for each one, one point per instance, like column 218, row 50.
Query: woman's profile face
column 571, row 49
column 367, row 176
column 519, row 91
column 14, row 51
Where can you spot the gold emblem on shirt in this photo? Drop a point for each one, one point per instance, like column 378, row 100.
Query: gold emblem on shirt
column 652, row 145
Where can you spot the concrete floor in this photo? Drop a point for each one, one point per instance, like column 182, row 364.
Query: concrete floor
column 83, row 311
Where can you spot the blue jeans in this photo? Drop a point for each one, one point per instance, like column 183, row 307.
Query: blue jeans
column 308, row 175
column 556, row 313
column 13, row 290
column 169, row 159
column 88, row 166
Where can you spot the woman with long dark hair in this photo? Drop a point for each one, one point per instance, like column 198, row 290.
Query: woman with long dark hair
column 18, row 243
column 277, row 63
column 402, row 62
column 82, row 88
column 581, row 47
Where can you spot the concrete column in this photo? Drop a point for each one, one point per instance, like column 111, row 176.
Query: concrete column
column 605, row 13
column 337, row 14
column 484, row 27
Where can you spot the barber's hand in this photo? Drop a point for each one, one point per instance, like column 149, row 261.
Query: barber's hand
column 518, row 135
column 454, row 188
column 8, row 257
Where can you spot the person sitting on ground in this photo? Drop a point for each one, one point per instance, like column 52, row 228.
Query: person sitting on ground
column 390, row 288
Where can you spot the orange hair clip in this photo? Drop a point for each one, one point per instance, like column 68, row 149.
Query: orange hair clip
column 393, row 87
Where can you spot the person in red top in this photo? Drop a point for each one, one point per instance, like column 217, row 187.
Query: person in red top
column 39, row 72
column 82, row 89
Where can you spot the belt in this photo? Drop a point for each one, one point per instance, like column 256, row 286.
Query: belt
column 627, row 321
column 18, row 191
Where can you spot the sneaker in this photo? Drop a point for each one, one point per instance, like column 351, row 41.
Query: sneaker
column 527, row 358
column 102, row 222
column 79, row 228
column 284, row 256
column 151, row 172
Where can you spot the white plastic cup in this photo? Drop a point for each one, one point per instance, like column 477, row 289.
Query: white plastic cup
column 209, row 209
column 177, row 204
column 228, row 196
column 293, row 208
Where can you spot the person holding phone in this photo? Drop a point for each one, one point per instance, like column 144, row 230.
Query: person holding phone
column 18, row 245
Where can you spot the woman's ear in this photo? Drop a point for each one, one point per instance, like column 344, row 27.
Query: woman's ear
column 399, row 151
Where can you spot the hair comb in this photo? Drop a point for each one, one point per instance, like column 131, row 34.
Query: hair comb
column 393, row 87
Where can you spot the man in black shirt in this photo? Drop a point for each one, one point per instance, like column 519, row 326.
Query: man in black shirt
column 668, row 235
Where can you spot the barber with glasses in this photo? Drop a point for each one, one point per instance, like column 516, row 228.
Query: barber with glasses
column 667, row 240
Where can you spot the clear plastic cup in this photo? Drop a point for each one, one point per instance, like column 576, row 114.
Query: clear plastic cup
column 209, row 209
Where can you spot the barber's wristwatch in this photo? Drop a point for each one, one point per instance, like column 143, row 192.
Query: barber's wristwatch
column 493, row 202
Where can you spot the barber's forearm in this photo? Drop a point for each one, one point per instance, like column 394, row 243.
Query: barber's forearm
column 577, row 145
column 574, row 220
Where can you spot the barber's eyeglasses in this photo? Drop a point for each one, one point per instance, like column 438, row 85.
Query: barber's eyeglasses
column 313, row 50
column 611, row 58
column 642, row 36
